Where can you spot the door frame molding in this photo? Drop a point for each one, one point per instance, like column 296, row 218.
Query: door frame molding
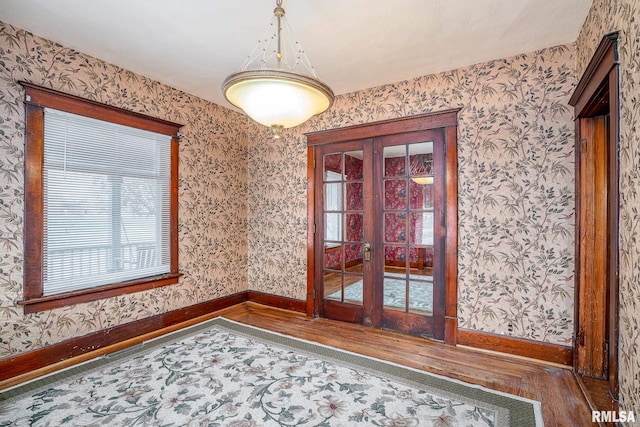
column 601, row 78
column 448, row 122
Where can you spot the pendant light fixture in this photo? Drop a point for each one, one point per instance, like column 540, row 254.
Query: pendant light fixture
column 277, row 85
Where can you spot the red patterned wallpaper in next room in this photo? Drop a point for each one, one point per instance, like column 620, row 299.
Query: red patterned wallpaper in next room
column 395, row 198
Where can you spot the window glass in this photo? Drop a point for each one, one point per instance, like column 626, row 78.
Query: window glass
column 106, row 202
column 101, row 200
column 333, row 197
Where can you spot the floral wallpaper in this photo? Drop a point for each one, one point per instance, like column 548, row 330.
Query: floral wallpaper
column 624, row 16
column 212, row 190
column 516, row 201
column 516, row 189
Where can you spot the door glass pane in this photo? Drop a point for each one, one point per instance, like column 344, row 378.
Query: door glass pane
column 421, row 296
column 333, row 227
column 353, row 165
column 332, row 256
column 395, row 227
column 421, row 228
column 333, row 285
column 420, row 258
column 395, row 291
column 355, row 196
column 343, row 207
column 333, row 167
column 395, row 194
column 421, row 173
column 333, row 196
column 421, row 162
column 353, row 258
column 395, row 258
column 421, row 195
column 395, row 161
column 353, row 288
column 355, row 229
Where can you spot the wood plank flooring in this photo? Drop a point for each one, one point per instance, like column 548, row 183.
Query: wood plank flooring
column 563, row 403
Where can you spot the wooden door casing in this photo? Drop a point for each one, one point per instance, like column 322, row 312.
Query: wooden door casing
column 596, row 104
column 446, row 123
column 592, row 341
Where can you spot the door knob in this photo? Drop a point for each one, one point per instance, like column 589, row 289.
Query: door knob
column 367, row 251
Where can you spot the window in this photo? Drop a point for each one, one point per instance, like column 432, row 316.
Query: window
column 101, row 201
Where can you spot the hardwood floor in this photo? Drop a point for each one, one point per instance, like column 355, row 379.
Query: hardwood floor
column 563, row 403
column 597, row 391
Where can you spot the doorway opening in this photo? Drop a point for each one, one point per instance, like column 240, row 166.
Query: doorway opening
column 383, row 225
column 597, row 211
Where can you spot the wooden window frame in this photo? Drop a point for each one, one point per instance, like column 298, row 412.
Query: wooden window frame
column 36, row 99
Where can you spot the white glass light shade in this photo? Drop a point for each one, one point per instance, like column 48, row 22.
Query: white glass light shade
column 423, row 180
column 277, row 98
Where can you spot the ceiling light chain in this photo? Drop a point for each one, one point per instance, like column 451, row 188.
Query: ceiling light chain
column 277, row 86
column 279, row 13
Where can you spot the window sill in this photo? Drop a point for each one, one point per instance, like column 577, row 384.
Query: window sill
column 34, row 305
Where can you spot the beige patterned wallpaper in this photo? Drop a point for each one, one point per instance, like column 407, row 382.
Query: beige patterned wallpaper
column 624, row 16
column 516, row 195
column 516, row 200
column 516, row 189
column 213, row 198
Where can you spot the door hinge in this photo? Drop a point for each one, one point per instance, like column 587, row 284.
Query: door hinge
column 583, row 145
column 605, row 357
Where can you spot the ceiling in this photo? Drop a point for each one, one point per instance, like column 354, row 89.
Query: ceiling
column 193, row 45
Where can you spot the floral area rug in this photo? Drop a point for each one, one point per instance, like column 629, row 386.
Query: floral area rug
column 222, row 373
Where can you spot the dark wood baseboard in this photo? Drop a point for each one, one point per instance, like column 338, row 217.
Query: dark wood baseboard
column 547, row 352
column 561, row 399
column 277, row 301
column 36, row 359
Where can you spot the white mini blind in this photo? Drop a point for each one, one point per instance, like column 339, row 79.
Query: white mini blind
column 106, row 203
